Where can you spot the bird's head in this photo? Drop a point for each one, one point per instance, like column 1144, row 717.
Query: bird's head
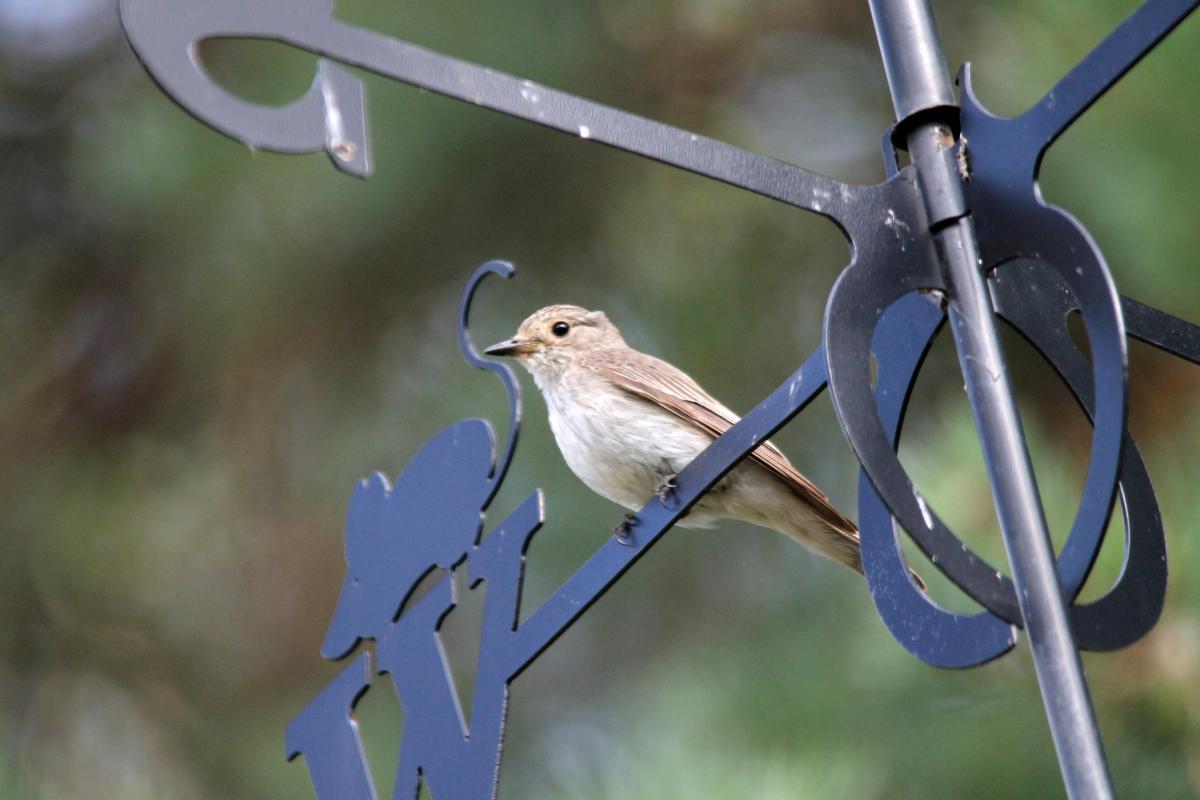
column 551, row 339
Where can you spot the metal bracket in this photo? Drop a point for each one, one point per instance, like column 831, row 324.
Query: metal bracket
column 926, row 232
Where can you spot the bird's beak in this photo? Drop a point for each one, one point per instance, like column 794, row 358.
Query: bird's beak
column 510, row 347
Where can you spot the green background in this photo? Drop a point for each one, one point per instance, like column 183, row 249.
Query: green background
column 205, row 346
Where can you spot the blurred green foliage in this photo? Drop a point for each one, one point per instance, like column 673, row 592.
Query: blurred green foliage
column 204, row 346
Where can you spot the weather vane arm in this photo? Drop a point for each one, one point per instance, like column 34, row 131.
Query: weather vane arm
column 612, row 560
column 1095, row 74
column 1162, row 330
column 331, row 115
column 1118, row 53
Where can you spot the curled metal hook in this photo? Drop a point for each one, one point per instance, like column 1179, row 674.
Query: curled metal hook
column 474, row 358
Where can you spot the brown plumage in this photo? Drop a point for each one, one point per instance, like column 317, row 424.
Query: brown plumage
column 674, row 390
column 627, row 422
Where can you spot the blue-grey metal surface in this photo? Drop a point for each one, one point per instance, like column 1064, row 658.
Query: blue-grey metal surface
column 1026, row 228
column 166, row 36
column 916, row 71
column 923, row 244
column 912, row 57
column 431, row 518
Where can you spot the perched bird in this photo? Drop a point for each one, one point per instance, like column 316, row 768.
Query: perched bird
column 627, row 423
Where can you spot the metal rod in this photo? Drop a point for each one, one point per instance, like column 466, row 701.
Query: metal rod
column 917, row 76
column 1026, row 539
column 912, row 56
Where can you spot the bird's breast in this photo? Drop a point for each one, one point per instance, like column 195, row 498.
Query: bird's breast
column 620, row 446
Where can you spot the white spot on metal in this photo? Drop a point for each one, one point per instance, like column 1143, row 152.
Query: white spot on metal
column 925, row 515
column 343, row 149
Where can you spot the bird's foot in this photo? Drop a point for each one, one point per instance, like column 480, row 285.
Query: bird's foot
column 665, row 490
column 624, row 529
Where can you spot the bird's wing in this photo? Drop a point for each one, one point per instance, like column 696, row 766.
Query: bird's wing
column 657, row 381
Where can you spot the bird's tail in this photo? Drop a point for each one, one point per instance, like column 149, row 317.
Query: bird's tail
column 837, row 540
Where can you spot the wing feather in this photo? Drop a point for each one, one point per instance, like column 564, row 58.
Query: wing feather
column 672, row 389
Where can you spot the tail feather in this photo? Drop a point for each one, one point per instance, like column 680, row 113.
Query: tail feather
column 840, row 544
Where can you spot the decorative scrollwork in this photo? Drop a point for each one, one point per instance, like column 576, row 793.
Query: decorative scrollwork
column 431, row 520
column 887, row 306
column 868, row 315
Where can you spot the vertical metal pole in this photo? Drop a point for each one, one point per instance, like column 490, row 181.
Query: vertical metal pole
column 920, row 86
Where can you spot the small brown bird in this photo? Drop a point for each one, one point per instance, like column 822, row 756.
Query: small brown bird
column 627, row 423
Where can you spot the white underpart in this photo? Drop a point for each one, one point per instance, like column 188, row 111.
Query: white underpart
column 623, row 447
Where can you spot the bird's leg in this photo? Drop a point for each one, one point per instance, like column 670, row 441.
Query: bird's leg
column 624, row 529
column 666, row 489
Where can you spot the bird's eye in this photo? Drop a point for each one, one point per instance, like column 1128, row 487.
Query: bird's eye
column 560, row 329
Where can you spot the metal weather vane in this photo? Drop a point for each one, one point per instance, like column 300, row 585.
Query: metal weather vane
column 960, row 235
